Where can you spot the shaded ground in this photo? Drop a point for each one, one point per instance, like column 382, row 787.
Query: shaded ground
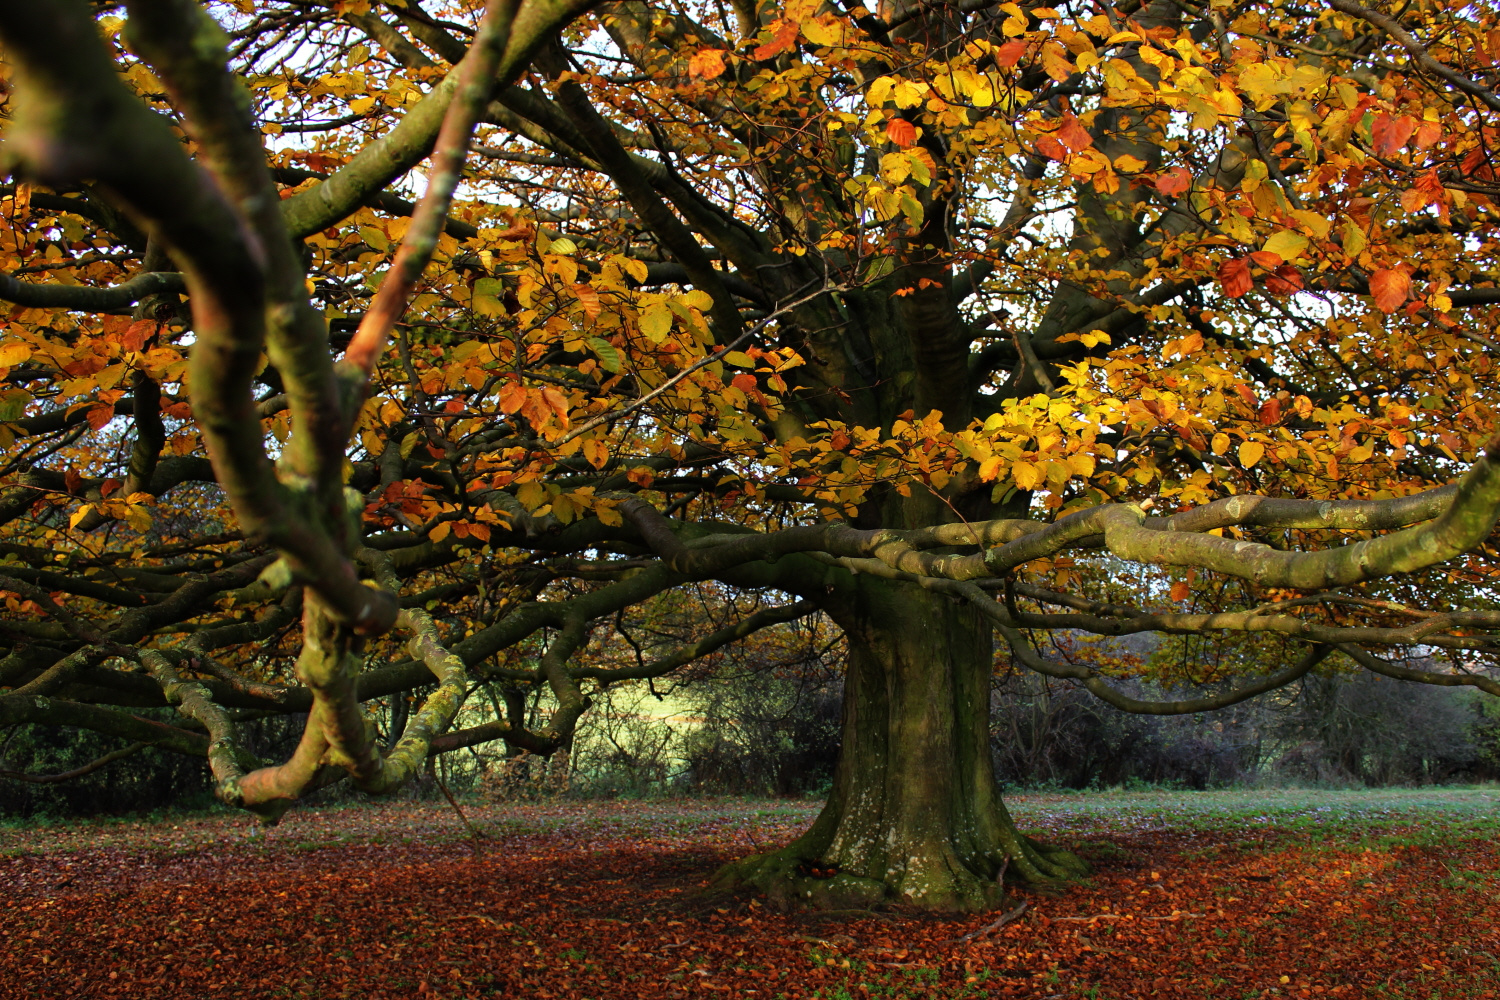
column 1221, row 895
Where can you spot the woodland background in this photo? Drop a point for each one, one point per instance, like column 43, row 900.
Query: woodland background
column 764, row 720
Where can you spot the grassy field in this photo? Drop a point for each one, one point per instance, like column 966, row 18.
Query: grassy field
column 1237, row 894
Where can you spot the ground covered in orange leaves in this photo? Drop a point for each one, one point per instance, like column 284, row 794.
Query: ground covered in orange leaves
column 1222, row 895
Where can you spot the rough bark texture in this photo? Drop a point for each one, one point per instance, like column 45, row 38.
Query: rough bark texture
column 914, row 816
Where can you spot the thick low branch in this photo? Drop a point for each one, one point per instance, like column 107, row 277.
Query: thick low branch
column 89, row 299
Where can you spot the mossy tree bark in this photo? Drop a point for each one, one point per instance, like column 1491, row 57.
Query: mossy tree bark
column 914, row 816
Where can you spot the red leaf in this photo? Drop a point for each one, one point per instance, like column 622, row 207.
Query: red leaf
column 900, row 131
column 745, row 382
column 1286, row 280
column 1389, row 134
column 1267, row 259
column 1234, row 277
column 1174, row 182
column 1389, row 288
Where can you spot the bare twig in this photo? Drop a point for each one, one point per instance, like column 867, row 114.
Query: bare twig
column 992, row 926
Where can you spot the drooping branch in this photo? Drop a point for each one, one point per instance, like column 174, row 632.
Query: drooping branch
column 226, row 759
column 1028, row 656
column 77, row 120
column 1377, row 665
column 437, row 712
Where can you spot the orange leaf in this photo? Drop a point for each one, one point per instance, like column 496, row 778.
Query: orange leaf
column 783, row 35
column 512, row 397
column 1181, row 591
column 588, row 297
column 1266, row 259
column 558, row 403
column 707, row 64
column 1174, row 182
column 745, row 382
column 1234, row 277
column 900, row 131
column 1074, row 136
column 1010, row 53
column 1389, row 287
column 1428, row 133
column 136, row 334
column 98, row 416
column 1051, row 148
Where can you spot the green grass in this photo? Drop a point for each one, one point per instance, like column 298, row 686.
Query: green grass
column 1377, row 817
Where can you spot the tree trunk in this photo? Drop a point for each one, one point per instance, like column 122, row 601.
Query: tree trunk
column 914, row 816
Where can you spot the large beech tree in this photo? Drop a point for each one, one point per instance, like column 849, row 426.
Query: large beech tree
column 949, row 321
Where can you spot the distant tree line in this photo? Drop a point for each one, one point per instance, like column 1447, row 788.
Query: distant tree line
column 767, row 722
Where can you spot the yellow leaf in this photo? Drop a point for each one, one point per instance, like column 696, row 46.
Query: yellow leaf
column 635, row 268
column 909, row 94
column 824, row 34
column 1251, row 452
column 1220, row 443
column 656, row 322
column 1287, row 245
column 1025, row 475
column 13, row 354
column 1354, row 238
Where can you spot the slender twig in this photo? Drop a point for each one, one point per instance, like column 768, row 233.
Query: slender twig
column 77, row 772
column 992, row 926
column 475, row 833
column 702, row 363
column 1418, row 51
column 475, row 85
